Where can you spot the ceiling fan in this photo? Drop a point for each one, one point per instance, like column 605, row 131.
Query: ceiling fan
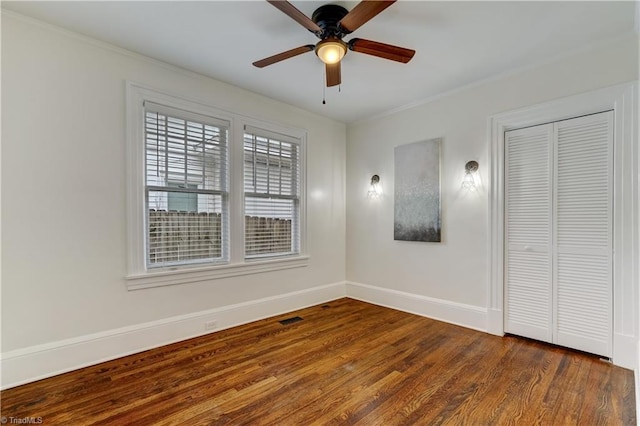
column 330, row 23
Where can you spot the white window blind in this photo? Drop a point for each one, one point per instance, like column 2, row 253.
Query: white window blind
column 271, row 193
column 186, row 187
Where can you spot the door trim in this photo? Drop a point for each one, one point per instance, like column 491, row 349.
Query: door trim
column 622, row 100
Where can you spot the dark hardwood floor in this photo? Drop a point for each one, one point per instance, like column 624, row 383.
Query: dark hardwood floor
column 346, row 362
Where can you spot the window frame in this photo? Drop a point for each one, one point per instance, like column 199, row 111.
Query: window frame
column 222, row 191
column 256, row 132
column 138, row 275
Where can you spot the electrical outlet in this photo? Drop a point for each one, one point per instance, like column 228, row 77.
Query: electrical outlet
column 211, row 325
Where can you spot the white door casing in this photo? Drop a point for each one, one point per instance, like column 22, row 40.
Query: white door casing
column 621, row 99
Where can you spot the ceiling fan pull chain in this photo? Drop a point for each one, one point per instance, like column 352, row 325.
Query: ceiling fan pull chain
column 324, row 76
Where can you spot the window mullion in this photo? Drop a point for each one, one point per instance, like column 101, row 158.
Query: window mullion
column 236, row 191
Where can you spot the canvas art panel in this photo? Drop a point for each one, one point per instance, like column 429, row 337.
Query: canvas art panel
column 417, row 213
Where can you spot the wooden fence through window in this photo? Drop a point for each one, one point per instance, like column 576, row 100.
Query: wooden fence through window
column 176, row 236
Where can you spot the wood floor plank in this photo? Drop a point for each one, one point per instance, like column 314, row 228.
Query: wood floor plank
column 347, row 362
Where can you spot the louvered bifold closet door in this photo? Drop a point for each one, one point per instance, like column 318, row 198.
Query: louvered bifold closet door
column 528, row 214
column 583, row 233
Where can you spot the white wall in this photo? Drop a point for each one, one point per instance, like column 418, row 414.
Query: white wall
column 63, row 189
column 455, row 272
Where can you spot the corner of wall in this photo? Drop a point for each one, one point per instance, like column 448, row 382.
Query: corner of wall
column 468, row 316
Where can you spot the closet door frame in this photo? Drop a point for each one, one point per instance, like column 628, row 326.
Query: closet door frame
column 622, row 100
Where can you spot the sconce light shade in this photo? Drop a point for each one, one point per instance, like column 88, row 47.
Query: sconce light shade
column 331, row 51
column 375, row 191
column 471, row 167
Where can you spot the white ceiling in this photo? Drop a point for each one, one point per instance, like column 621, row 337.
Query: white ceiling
column 457, row 43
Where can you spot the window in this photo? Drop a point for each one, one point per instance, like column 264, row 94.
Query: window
column 186, row 187
column 210, row 193
column 271, row 194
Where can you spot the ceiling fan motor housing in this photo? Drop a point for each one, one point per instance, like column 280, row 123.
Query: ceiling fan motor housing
column 330, row 23
column 327, row 18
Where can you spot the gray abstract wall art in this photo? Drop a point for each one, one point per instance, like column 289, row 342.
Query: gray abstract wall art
column 417, row 192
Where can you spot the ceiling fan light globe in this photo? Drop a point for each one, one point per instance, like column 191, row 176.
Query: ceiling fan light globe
column 331, row 51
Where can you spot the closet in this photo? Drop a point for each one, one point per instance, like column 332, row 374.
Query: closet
column 558, row 232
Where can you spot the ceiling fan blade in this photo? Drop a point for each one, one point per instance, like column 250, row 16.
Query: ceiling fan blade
column 362, row 13
column 381, row 50
column 333, row 74
column 284, row 55
column 291, row 11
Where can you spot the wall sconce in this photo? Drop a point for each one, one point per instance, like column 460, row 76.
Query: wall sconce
column 469, row 182
column 375, row 191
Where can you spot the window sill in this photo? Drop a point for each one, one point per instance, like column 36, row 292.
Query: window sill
column 191, row 275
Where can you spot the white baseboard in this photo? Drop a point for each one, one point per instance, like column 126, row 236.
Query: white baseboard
column 38, row 362
column 495, row 322
column 469, row 316
column 625, row 351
